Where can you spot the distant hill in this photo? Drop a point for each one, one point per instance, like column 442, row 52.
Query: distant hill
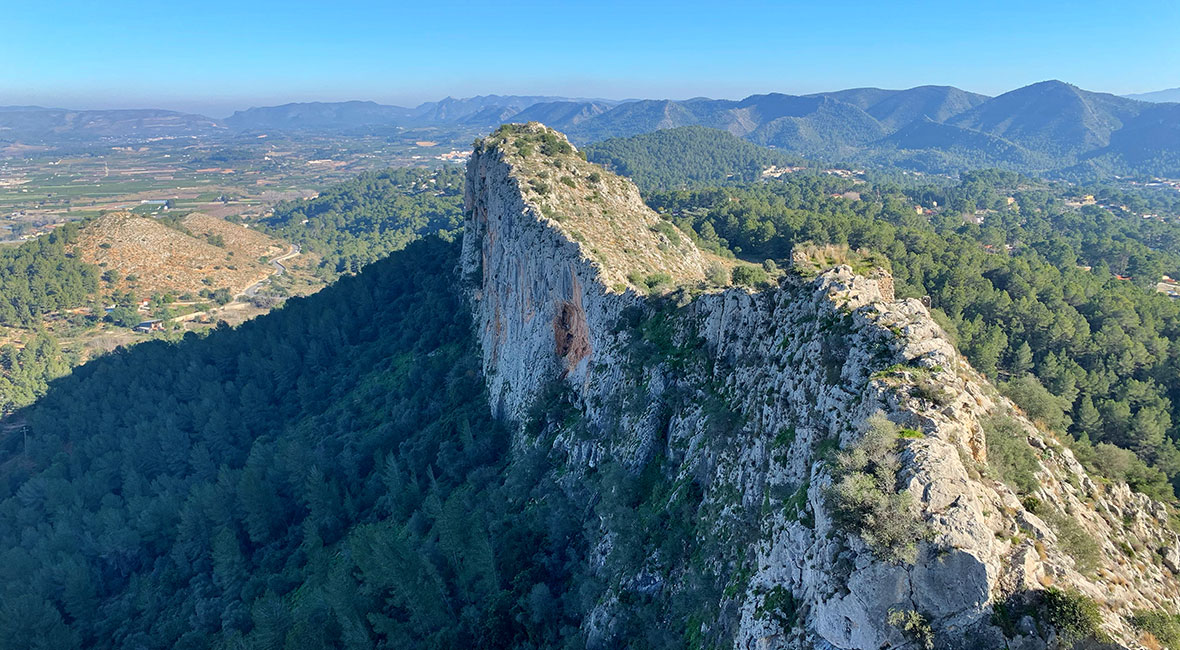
column 826, row 122
column 483, row 110
column 1169, row 95
column 1046, row 127
column 561, row 114
column 897, row 108
column 633, row 118
column 806, row 124
column 197, row 252
column 813, row 125
column 684, row 156
column 316, row 115
column 32, row 124
column 1052, row 116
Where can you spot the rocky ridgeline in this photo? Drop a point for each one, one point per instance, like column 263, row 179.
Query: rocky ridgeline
column 749, row 396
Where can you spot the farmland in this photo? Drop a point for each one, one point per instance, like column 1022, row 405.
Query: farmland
column 239, row 175
column 153, row 217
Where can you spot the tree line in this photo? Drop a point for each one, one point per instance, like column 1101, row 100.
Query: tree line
column 40, row 276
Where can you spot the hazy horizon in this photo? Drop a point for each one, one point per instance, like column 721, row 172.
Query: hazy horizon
column 223, row 109
column 227, row 56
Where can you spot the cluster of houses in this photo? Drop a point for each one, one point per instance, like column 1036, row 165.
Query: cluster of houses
column 1169, row 287
column 775, row 171
column 144, row 326
column 455, row 156
column 1079, row 202
column 977, row 217
column 1160, row 182
column 154, row 325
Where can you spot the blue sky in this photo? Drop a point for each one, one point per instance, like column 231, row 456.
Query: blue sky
column 215, row 56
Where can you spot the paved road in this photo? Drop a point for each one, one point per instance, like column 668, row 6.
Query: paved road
column 277, row 262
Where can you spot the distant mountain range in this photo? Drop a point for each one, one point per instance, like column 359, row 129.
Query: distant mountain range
column 1169, row 95
column 482, row 111
column 1050, row 126
column 37, row 125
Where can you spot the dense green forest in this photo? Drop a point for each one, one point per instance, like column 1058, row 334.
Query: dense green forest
column 684, row 156
column 39, row 276
column 1084, row 350
column 296, row 482
column 25, row 372
column 360, row 221
column 327, row 475
column 36, row 278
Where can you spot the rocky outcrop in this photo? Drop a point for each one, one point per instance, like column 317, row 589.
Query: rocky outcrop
column 742, row 398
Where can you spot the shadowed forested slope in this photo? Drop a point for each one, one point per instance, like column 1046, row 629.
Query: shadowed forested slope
column 324, row 476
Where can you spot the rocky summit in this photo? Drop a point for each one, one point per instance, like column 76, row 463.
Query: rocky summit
column 818, row 466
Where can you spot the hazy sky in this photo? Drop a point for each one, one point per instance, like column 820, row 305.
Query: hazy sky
column 215, row 56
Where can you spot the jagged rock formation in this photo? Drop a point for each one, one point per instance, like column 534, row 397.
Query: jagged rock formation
column 741, row 398
column 526, row 245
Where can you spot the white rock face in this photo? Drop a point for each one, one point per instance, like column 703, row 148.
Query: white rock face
column 741, row 396
column 534, row 288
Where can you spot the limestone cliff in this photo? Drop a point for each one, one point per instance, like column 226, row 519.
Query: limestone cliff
column 733, row 404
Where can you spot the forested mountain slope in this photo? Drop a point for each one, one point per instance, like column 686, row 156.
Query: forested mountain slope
column 1052, row 116
column 690, row 154
column 895, row 109
column 327, row 475
column 360, row 221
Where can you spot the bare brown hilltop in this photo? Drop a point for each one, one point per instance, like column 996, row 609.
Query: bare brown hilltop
column 200, row 252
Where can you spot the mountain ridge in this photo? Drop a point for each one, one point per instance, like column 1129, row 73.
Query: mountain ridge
column 710, row 402
column 896, row 108
column 55, row 124
column 1057, row 128
column 1167, row 95
column 1053, row 116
